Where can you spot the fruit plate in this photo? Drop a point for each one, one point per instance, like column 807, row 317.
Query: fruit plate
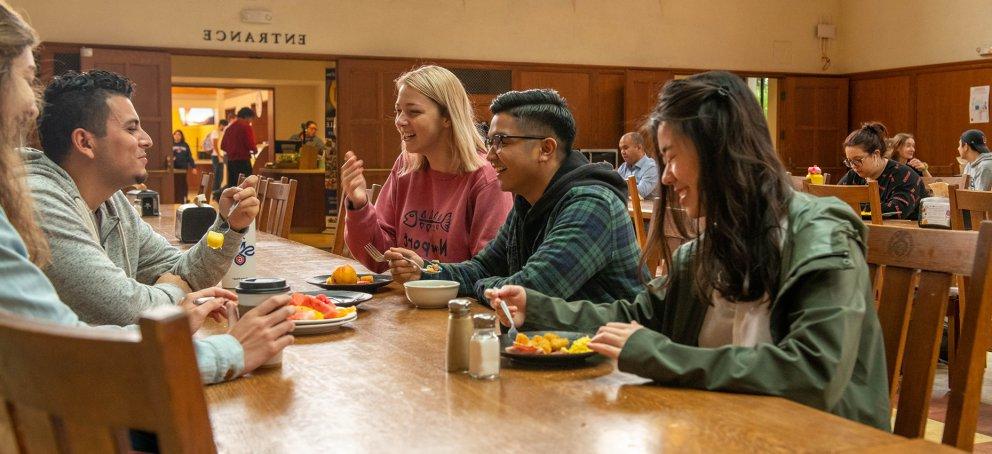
column 342, row 298
column 378, row 281
column 561, row 359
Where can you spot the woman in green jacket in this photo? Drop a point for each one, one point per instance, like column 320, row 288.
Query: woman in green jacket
column 774, row 298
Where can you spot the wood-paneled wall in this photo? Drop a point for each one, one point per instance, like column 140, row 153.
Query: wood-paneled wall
column 931, row 102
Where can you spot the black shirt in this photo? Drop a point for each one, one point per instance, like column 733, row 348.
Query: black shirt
column 900, row 186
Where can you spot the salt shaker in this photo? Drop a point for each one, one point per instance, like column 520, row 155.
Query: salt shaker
column 483, row 360
column 459, row 334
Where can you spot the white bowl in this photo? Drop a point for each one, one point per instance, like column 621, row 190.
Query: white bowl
column 431, row 294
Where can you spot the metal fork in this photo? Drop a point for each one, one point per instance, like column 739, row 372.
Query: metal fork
column 377, row 256
column 512, row 333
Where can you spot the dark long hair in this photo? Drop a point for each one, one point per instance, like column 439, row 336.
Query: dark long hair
column 743, row 189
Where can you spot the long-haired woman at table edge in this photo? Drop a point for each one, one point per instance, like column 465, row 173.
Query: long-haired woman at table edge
column 774, row 298
column 23, row 247
column 441, row 199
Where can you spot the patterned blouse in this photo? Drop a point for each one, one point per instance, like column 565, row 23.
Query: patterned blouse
column 900, row 186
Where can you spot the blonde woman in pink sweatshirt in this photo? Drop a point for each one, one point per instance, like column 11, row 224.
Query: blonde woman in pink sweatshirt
column 441, row 199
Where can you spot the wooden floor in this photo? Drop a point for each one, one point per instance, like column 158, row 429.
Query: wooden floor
column 938, row 408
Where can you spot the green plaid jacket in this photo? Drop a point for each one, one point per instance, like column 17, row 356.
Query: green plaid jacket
column 589, row 252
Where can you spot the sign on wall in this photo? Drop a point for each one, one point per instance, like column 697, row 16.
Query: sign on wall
column 243, row 36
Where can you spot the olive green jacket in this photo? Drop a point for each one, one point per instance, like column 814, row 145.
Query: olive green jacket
column 827, row 349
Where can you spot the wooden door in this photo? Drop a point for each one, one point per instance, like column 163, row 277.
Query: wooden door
column 812, row 123
column 151, row 73
column 575, row 87
column 640, row 94
column 366, row 97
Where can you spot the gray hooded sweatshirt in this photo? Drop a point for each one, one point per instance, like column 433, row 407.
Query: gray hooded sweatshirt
column 105, row 263
column 980, row 172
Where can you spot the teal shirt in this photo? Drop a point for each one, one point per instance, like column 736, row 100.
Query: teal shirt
column 27, row 292
column 826, row 351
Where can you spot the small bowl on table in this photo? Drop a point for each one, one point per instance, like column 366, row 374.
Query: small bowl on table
column 431, row 294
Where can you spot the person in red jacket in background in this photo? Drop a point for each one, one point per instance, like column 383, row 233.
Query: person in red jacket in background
column 239, row 144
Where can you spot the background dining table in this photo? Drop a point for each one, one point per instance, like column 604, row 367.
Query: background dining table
column 380, row 384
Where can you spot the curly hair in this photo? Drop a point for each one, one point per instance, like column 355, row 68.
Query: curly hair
column 77, row 100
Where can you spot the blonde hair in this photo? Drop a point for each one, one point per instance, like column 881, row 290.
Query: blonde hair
column 15, row 37
column 444, row 88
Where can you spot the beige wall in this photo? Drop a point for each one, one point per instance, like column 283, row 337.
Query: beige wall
column 298, row 85
column 767, row 35
column 883, row 34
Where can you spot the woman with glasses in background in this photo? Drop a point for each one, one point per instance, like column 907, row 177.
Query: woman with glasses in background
column 441, row 200
column 900, row 186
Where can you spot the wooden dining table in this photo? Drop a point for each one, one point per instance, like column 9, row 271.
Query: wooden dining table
column 380, row 384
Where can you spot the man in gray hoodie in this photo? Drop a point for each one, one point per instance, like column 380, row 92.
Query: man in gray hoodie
column 107, row 264
column 973, row 149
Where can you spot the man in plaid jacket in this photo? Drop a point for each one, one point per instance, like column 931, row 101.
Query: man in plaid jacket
column 569, row 233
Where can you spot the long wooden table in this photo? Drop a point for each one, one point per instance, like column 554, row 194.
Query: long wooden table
column 381, row 385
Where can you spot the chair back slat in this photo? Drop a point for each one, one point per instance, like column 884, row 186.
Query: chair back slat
column 338, row 247
column 894, row 319
column 920, row 354
column 854, row 196
column 260, row 191
column 916, row 268
column 279, row 201
column 149, row 382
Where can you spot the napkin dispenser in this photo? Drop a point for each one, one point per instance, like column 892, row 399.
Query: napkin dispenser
column 193, row 221
column 144, row 201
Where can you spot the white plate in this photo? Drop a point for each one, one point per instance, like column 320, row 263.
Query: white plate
column 322, row 326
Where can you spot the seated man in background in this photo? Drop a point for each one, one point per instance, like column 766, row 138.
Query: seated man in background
column 638, row 164
column 107, row 263
column 569, row 233
column 973, row 149
column 308, row 135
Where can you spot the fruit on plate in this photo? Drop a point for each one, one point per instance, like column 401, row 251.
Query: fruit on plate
column 549, row 343
column 344, row 274
column 366, row 279
column 317, row 307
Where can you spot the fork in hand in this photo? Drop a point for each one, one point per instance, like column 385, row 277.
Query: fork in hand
column 378, row 257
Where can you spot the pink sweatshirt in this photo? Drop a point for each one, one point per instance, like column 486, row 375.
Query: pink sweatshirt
column 443, row 216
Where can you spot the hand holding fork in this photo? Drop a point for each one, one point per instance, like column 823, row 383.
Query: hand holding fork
column 398, row 254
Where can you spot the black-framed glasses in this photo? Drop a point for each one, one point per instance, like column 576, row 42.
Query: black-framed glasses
column 856, row 162
column 495, row 141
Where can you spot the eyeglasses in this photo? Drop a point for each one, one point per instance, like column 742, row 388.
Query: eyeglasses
column 856, row 162
column 495, row 142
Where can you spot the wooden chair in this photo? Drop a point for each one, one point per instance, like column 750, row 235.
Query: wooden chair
column 339, row 229
column 278, row 207
column 260, row 191
column 636, row 215
column 978, row 205
column 206, row 185
column 916, row 267
column 961, row 180
column 853, row 196
column 640, row 231
column 78, row 389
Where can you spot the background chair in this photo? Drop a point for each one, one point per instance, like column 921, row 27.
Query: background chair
column 916, row 267
column 636, row 215
column 206, row 186
column 961, row 180
column 278, row 208
column 339, row 247
column 853, row 196
column 74, row 389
